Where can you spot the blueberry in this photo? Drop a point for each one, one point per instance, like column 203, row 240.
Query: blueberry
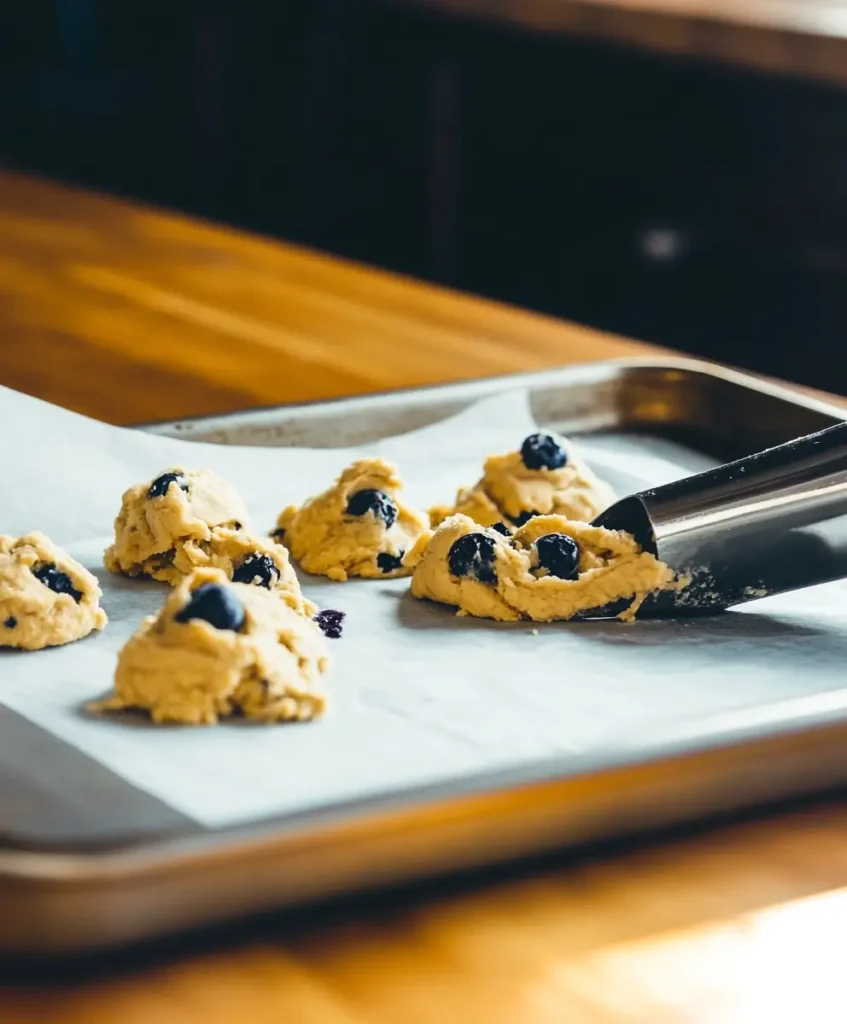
column 376, row 502
column 57, row 581
column 259, row 569
column 11, row 622
column 279, row 535
column 473, row 556
column 559, row 555
column 330, row 622
column 215, row 604
column 502, row 528
column 542, row 451
column 524, row 517
column 388, row 563
column 159, row 487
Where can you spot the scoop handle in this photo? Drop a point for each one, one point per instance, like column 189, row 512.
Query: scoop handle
column 794, row 465
column 765, row 524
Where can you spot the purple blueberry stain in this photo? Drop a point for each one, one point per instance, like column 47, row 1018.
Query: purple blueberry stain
column 330, row 622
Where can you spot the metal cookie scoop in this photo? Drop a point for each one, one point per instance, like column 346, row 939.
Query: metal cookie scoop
column 765, row 524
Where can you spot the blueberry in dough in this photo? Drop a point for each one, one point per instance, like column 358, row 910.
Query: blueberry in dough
column 559, row 555
column 388, row 563
column 542, row 451
column 376, row 502
column 159, row 487
column 502, row 529
column 56, row 580
column 11, row 622
column 473, row 556
column 215, row 604
column 259, row 569
column 524, row 517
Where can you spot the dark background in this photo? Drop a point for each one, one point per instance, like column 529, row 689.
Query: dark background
column 692, row 205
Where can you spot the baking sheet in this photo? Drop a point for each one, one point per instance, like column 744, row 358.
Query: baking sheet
column 417, row 695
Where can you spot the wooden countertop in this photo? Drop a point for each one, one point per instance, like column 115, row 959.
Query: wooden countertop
column 795, row 37
column 129, row 314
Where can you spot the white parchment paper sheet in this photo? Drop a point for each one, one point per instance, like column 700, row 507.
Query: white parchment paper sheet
column 417, row 695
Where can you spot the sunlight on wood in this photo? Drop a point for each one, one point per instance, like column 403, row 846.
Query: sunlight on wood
column 779, row 964
column 131, row 314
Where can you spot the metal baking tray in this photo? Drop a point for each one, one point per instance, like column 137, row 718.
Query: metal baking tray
column 101, row 891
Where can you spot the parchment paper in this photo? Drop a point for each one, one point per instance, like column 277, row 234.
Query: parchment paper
column 416, row 695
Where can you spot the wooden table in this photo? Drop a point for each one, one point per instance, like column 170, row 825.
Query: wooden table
column 129, row 314
column 797, row 37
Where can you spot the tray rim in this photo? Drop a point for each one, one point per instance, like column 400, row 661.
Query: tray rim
column 784, row 718
column 810, row 723
column 799, row 738
column 478, row 387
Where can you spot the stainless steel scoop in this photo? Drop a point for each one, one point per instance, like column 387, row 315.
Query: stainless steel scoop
column 765, row 524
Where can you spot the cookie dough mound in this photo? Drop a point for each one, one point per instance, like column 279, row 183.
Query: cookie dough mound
column 186, row 520
column 544, row 478
column 46, row 598
column 180, row 516
column 219, row 648
column 552, row 568
column 359, row 527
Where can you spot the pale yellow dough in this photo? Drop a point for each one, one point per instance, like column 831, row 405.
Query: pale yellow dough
column 328, row 541
column 611, row 567
column 508, row 490
column 33, row 616
column 169, row 536
column 192, row 673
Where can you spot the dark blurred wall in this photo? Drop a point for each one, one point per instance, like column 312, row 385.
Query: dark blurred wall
column 698, row 207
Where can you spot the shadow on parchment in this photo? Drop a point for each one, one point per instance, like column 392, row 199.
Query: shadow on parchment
column 138, row 718
column 414, row 613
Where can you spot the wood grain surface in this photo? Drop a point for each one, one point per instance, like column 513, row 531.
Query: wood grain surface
column 796, row 37
column 129, row 314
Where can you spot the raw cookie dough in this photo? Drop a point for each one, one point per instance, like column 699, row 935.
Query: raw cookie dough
column 190, row 519
column 359, row 527
column 552, row 568
column 218, row 648
column 46, row 598
column 544, row 478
